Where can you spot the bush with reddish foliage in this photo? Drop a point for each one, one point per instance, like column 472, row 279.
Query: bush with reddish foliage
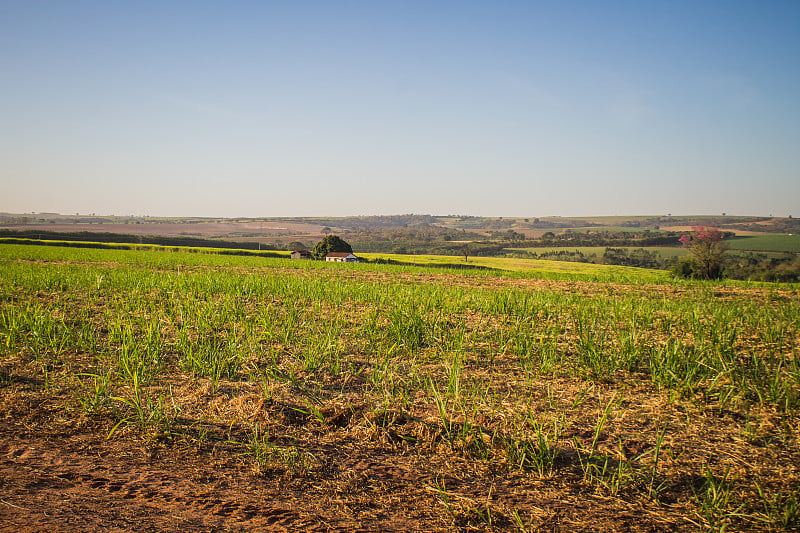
column 708, row 248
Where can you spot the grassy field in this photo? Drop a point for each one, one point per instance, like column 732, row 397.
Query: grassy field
column 177, row 391
column 768, row 243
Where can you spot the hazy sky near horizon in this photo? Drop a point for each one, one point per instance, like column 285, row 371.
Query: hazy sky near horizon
column 333, row 108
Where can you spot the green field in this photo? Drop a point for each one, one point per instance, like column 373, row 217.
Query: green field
column 767, row 243
column 512, row 399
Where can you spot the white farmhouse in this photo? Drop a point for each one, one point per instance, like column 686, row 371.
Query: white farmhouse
column 341, row 257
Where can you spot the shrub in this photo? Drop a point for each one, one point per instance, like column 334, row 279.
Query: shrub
column 684, row 268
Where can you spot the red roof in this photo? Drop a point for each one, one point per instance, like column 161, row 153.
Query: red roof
column 339, row 254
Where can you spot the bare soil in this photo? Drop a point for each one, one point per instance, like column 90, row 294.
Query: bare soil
column 59, row 473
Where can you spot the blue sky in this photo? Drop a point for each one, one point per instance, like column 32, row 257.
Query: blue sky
column 360, row 108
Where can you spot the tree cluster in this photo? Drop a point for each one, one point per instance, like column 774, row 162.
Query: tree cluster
column 330, row 243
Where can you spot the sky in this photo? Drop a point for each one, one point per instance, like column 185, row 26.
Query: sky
column 341, row 108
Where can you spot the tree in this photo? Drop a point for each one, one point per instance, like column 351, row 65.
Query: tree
column 331, row 243
column 707, row 248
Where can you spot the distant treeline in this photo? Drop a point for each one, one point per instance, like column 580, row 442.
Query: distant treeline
column 105, row 237
column 638, row 257
column 452, row 266
column 411, row 247
column 737, row 265
column 763, row 267
column 437, row 241
column 604, row 238
column 136, row 246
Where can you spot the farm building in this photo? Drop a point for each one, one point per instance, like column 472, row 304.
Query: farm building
column 302, row 254
column 342, row 257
